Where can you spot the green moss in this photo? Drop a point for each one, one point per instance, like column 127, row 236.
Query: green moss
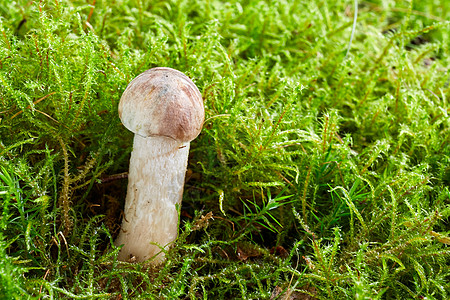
column 322, row 168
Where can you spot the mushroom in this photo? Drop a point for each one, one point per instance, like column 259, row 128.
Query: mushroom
column 164, row 109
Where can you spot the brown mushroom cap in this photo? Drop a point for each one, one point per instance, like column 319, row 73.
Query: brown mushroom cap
column 162, row 102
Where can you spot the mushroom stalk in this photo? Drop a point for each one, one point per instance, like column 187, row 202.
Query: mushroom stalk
column 155, row 188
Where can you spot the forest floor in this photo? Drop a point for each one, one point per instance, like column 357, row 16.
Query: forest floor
column 322, row 170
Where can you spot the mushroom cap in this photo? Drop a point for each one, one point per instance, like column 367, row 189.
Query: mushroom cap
column 162, row 102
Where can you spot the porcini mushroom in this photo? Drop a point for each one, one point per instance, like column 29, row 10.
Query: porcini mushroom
column 164, row 109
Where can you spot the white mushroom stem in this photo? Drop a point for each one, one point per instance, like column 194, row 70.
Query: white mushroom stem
column 155, row 188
